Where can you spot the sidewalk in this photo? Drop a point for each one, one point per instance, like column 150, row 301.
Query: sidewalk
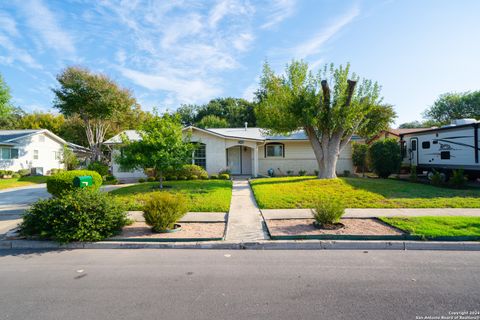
column 270, row 214
column 245, row 222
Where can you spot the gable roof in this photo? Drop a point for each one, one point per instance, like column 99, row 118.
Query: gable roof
column 10, row 136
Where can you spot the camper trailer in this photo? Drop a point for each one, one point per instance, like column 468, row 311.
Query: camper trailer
column 444, row 149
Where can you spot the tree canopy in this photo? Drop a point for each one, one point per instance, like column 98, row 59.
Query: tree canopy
column 5, row 105
column 212, row 121
column 330, row 107
column 162, row 146
column 451, row 106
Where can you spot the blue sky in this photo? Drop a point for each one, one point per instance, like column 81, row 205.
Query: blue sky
column 174, row 52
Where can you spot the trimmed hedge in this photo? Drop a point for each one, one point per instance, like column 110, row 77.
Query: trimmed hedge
column 63, row 182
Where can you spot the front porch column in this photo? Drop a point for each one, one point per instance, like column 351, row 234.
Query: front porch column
column 255, row 162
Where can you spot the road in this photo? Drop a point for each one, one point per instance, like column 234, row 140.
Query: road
column 210, row 284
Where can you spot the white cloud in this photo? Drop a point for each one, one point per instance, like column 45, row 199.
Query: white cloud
column 314, row 45
column 249, row 92
column 224, row 8
column 43, row 21
column 16, row 54
column 8, row 25
column 243, row 41
column 281, row 10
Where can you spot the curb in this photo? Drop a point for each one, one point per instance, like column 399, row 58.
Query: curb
column 256, row 245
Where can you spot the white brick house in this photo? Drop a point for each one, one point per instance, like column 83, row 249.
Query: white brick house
column 245, row 151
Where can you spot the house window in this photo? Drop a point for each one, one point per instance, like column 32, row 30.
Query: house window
column 35, row 154
column 200, row 155
column 8, row 153
column 426, row 145
column 274, row 150
column 57, row 155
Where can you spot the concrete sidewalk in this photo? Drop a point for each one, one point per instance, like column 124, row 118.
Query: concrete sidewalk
column 245, row 222
column 371, row 213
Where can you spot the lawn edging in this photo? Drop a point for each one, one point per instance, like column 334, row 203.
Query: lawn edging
column 255, row 245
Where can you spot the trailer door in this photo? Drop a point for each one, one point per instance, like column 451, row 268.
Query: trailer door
column 414, row 151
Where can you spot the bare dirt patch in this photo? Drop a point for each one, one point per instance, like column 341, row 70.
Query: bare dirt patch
column 140, row 230
column 353, row 226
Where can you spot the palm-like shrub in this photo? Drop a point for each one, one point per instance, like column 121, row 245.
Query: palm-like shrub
column 327, row 212
column 162, row 210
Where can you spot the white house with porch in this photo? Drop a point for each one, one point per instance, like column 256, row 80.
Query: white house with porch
column 244, row 151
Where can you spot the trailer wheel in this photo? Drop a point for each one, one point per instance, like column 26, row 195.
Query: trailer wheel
column 443, row 176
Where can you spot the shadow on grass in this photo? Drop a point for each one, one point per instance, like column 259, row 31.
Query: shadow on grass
column 271, row 181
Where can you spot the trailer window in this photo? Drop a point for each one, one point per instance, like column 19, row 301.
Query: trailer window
column 426, row 145
column 414, row 145
column 445, row 155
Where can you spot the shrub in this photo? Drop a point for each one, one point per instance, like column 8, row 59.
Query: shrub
column 141, row 180
column 173, row 178
column 346, row 173
column 224, row 171
column 79, row 215
column 63, row 181
column 327, row 212
column 182, row 178
column 214, row 176
column 437, row 178
column 413, row 174
column 194, row 177
column 359, row 156
column 458, row 179
column 385, row 157
column 99, row 167
column 151, row 179
column 190, row 170
column 302, row 172
column 224, row 176
column 109, row 179
column 316, row 172
column 162, row 210
column 23, row 172
column 16, row 175
column 204, row 176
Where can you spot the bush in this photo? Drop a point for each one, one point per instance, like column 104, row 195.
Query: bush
column 173, row 178
column 79, row 215
column 385, row 157
column 182, row 178
column 55, row 171
column 346, row 173
column 316, row 172
column 63, row 182
column 328, row 212
column 458, row 179
column 190, row 170
column 162, row 210
column 204, row 177
column 16, row 175
column 302, row 172
column 437, row 178
column 99, row 167
column 224, row 171
column 193, row 177
column 214, row 176
column 224, row 176
column 360, row 156
column 151, row 179
column 109, row 179
column 413, row 174
column 23, row 172
column 141, row 180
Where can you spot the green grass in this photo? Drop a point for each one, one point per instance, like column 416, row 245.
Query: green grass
column 301, row 192
column 204, row 195
column 431, row 227
column 21, row 182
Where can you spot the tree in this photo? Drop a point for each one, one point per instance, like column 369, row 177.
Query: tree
column 329, row 107
column 451, row 106
column 95, row 99
column 417, row 124
column 377, row 119
column 5, row 105
column 162, row 146
column 11, row 120
column 69, row 159
column 187, row 114
column 212, row 121
column 359, row 156
column 385, row 157
column 40, row 120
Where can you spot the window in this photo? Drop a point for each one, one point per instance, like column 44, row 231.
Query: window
column 35, row 154
column 445, row 155
column 200, row 155
column 414, row 145
column 274, row 150
column 57, row 155
column 426, row 145
column 8, row 153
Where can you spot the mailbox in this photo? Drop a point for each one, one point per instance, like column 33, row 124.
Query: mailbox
column 83, row 181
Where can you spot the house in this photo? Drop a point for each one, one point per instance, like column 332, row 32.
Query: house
column 244, row 151
column 36, row 150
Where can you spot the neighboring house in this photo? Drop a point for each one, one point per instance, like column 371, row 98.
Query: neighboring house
column 394, row 134
column 35, row 150
column 244, row 151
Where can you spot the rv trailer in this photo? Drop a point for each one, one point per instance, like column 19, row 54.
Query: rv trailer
column 451, row 147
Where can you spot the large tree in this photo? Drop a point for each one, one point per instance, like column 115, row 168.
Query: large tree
column 43, row 120
column 212, row 121
column 330, row 107
column 161, row 147
column 451, row 106
column 95, row 99
column 5, row 105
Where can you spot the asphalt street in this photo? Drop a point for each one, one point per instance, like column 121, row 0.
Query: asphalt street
column 211, row 284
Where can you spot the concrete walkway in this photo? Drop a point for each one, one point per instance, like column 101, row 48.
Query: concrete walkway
column 245, row 222
column 370, row 213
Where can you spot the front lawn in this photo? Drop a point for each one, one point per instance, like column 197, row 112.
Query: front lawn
column 301, row 192
column 433, row 227
column 21, row 182
column 204, row 195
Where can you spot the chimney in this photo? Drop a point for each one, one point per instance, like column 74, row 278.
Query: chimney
column 246, row 126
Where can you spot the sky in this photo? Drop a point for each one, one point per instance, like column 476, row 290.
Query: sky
column 176, row 52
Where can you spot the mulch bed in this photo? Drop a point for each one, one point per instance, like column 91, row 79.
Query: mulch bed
column 353, row 226
column 196, row 231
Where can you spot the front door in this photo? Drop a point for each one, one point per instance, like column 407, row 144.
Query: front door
column 414, row 151
column 234, row 159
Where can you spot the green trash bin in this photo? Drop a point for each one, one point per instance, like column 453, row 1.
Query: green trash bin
column 83, row 181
